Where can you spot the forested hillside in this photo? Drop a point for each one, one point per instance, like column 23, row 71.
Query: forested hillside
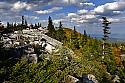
column 88, row 60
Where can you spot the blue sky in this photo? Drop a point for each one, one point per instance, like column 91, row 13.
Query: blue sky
column 84, row 14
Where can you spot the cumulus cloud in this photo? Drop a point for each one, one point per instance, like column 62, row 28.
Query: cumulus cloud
column 7, row 8
column 19, row 6
column 42, row 3
column 88, row 16
column 78, row 20
column 56, row 21
column 82, row 11
column 89, row 4
column 71, row 15
column 64, row 21
column 64, row 2
column 49, row 10
column 110, row 9
column 77, row 3
column 113, row 20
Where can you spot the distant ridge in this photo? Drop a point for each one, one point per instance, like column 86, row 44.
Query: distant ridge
column 111, row 39
column 116, row 40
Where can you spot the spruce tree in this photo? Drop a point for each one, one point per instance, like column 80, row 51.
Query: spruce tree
column 51, row 30
column 35, row 26
column 22, row 20
column 8, row 25
column 75, row 38
column 61, row 35
column 38, row 25
column 85, row 36
column 75, row 33
column 25, row 24
column 22, row 26
column 60, row 24
column 105, row 38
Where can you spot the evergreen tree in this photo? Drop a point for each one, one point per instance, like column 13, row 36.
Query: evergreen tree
column 51, row 29
column 60, row 24
column 50, row 25
column 105, row 44
column 8, row 25
column 61, row 35
column 75, row 33
column 38, row 25
column 85, row 34
column 84, row 37
column 25, row 23
column 22, row 20
column 35, row 26
column 9, row 28
column 75, row 38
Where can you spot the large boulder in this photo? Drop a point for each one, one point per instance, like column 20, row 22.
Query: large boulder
column 89, row 78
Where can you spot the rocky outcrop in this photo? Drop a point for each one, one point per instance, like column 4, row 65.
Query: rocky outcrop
column 89, row 78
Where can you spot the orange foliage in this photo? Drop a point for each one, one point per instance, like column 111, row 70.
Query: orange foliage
column 118, row 60
column 69, row 31
column 117, row 51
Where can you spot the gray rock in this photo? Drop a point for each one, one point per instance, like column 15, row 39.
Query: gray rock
column 89, row 78
column 32, row 58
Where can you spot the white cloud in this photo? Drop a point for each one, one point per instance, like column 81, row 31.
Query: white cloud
column 71, row 15
column 56, row 21
column 99, row 9
column 64, row 21
column 115, row 6
column 89, row 4
column 113, row 20
column 110, row 9
column 77, row 3
column 82, row 11
column 43, row 21
column 49, row 10
column 82, row 21
column 19, row 6
column 65, row 2
column 31, row 17
column 74, row 19
column 88, row 16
